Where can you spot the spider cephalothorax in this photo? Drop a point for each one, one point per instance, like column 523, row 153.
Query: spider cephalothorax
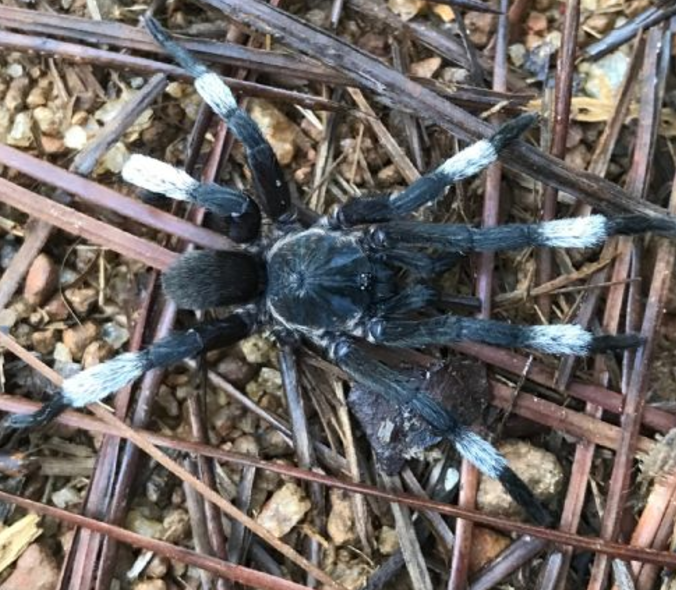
column 362, row 275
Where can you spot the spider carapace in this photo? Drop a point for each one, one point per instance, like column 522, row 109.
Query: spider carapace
column 362, row 275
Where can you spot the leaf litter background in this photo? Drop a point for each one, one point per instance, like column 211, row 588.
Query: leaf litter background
column 78, row 288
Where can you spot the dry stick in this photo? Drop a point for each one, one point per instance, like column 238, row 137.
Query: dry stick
column 635, row 395
column 237, row 573
column 565, row 69
column 408, row 540
column 302, row 443
column 37, row 231
column 661, row 558
column 564, row 420
column 651, row 17
column 469, row 475
column 150, row 449
column 607, row 399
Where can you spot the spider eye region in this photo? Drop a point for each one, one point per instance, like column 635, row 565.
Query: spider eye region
column 318, row 280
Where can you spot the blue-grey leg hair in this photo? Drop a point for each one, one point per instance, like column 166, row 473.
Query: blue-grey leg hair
column 447, row 329
column 404, row 391
column 267, row 174
column 430, row 187
column 574, row 232
column 100, row 381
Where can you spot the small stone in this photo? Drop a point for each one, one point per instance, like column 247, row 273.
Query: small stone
column 37, row 97
column 41, row 280
column 226, row 418
column 486, row 546
column 14, row 70
column 158, row 567
column 52, row 145
column 537, row 23
column 150, row 585
column 176, row 526
column 49, row 121
column 425, row 68
column 532, row 41
column 44, row 342
column 388, row 540
column 405, row 9
column 246, row 445
column 96, row 353
column 75, row 138
column 517, row 53
column 600, row 23
column 56, row 309
column 539, row 469
column 284, row 510
column 142, row 525
column 5, row 122
column 82, row 299
column 16, row 93
column 62, row 355
column 389, row 175
column 113, row 160
column 481, row 26
column 257, row 350
column 78, row 338
column 21, row 134
column 35, row 569
column 340, row 524
column 236, row 370
column 114, row 334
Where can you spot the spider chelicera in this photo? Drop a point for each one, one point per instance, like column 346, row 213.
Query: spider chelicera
column 354, row 277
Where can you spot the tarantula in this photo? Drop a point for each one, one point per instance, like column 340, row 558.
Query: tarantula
column 353, row 277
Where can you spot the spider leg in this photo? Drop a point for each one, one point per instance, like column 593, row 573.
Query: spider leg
column 402, row 390
column 98, row 382
column 554, row 339
column 430, row 187
column 575, row 232
column 268, row 177
column 159, row 177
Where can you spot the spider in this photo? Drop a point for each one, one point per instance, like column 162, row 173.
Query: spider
column 360, row 275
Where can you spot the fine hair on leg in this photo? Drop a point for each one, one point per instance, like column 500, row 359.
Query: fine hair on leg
column 268, row 178
column 555, row 339
column 100, row 381
column 575, row 232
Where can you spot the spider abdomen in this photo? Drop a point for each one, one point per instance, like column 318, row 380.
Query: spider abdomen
column 319, row 280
